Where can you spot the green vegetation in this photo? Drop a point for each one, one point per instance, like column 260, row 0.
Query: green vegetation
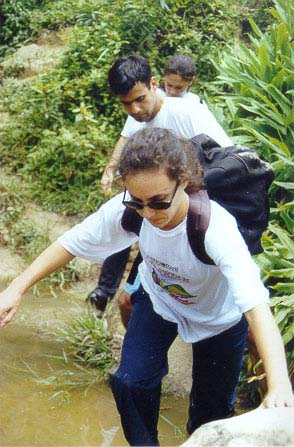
column 16, row 22
column 258, row 85
column 89, row 343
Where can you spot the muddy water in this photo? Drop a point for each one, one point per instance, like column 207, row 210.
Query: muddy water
column 34, row 411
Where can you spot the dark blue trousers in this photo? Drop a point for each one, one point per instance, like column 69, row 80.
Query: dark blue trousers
column 136, row 385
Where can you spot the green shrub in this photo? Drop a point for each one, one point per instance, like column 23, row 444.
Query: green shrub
column 186, row 26
column 57, row 142
column 68, row 163
column 60, row 13
column 17, row 22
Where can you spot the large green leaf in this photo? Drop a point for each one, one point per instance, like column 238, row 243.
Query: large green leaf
column 283, row 39
column 282, row 314
column 283, row 273
column 285, row 300
column 283, row 287
column 286, row 185
column 284, row 238
column 288, row 335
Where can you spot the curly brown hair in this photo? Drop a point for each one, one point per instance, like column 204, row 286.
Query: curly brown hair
column 155, row 148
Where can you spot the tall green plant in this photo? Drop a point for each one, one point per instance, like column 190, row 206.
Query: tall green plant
column 262, row 80
column 258, row 81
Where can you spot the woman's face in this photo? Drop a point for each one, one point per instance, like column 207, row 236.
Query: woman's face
column 155, row 185
column 175, row 85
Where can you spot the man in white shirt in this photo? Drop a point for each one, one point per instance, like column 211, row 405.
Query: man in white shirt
column 130, row 78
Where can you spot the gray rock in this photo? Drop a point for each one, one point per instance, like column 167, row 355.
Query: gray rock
column 260, row 427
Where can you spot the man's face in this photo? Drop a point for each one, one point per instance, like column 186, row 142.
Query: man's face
column 175, row 85
column 141, row 102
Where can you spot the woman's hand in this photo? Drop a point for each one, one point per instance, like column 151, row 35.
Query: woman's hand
column 281, row 396
column 54, row 257
column 9, row 303
column 272, row 353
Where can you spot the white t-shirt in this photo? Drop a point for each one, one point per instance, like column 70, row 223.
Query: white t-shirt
column 186, row 95
column 203, row 300
column 186, row 117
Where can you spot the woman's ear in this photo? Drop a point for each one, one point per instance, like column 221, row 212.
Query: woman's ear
column 185, row 180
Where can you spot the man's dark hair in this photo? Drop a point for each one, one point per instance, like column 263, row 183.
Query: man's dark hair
column 126, row 72
column 182, row 65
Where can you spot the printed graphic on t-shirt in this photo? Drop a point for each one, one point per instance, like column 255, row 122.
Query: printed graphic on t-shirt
column 176, row 291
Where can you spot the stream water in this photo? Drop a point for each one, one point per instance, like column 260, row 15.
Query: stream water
column 35, row 411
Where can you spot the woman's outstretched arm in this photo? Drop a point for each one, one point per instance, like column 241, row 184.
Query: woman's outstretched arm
column 54, row 257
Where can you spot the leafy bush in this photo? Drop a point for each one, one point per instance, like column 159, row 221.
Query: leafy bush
column 57, row 143
column 17, row 22
column 68, row 163
column 60, row 13
column 186, row 26
column 22, row 20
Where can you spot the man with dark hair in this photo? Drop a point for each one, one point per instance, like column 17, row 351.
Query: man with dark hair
column 128, row 71
column 130, row 78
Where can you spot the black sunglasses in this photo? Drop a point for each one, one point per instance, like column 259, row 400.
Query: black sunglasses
column 154, row 204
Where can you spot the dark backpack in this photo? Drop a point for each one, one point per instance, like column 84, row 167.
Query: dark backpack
column 238, row 180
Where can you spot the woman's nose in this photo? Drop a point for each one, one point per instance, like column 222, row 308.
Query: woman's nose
column 147, row 212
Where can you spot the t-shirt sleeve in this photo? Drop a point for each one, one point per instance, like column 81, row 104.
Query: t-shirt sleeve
column 100, row 234
column 225, row 245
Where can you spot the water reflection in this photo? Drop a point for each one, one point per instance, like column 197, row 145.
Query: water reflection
column 33, row 412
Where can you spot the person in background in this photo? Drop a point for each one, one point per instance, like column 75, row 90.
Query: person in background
column 209, row 306
column 178, row 75
column 131, row 79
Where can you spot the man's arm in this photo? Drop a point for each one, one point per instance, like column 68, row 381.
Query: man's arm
column 109, row 171
column 271, row 350
column 54, row 257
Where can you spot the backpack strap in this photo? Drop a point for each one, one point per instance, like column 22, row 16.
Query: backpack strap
column 197, row 223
